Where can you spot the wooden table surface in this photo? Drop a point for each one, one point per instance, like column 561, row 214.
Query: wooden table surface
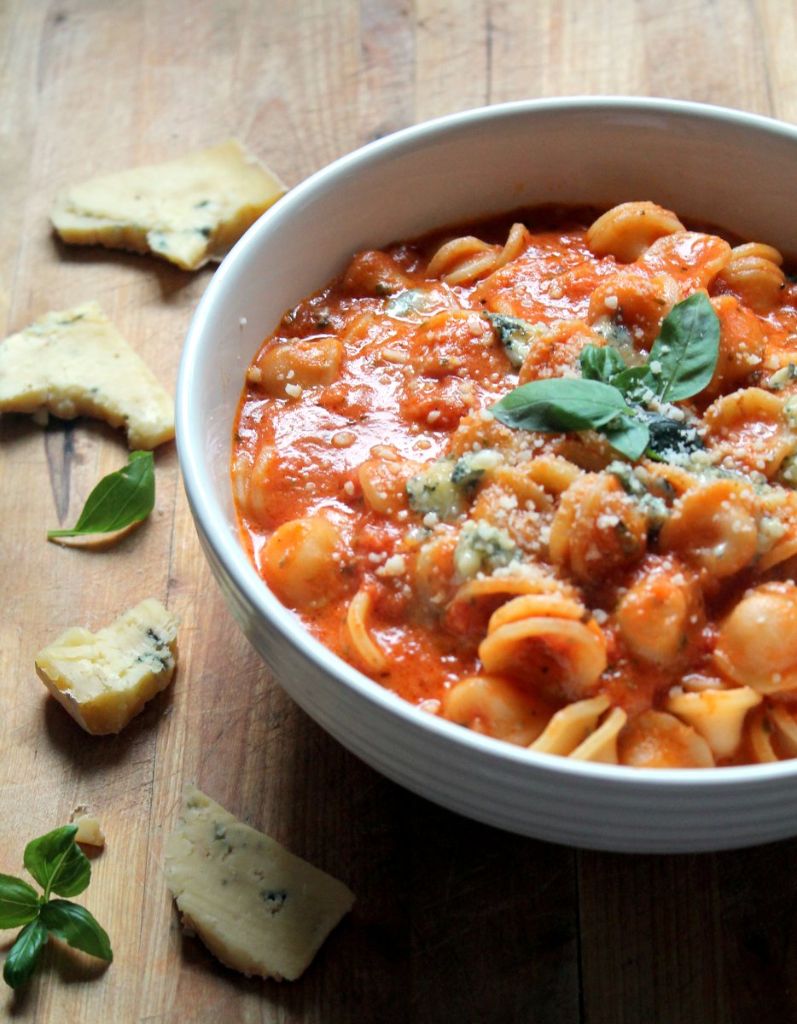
column 455, row 922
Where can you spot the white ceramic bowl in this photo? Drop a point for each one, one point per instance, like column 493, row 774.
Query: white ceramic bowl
column 713, row 165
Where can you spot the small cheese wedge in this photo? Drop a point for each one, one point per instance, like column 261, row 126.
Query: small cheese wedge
column 188, row 211
column 258, row 908
column 104, row 679
column 75, row 363
column 89, row 831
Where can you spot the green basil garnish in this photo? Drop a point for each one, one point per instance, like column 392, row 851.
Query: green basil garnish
column 57, row 862
column 684, row 356
column 612, row 398
column 601, row 363
column 58, row 865
column 119, row 500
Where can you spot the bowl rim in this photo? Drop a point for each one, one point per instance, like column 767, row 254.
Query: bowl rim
column 222, row 537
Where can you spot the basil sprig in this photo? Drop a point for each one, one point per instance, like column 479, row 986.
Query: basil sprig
column 611, row 397
column 59, row 866
column 684, row 356
column 119, row 500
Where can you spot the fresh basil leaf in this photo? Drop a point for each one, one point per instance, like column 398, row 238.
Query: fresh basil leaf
column 629, row 436
column 669, row 437
column 75, row 925
column 631, row 380
column 514, row 334
column 561, row 403
column 119, row 499
column 24, row 954
column 57, row 862
column 601, row 363
column 684, row 356
column 19, row 902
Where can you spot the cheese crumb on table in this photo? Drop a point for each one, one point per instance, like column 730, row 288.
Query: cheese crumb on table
column 75, row 363
column 257, row 907
column 187, row 211
column 89, row 830
column 104, row 679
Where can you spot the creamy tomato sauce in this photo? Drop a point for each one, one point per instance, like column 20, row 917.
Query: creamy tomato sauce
column 539, row 586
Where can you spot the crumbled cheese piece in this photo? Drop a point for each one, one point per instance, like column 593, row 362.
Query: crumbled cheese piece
column 89, row 831
column 76, row 363
column 395, row 356
column 348, row 488
column 257, row 907
column 104, row 679
column 396, row 565
column 482, row 545
column 432, row 490
column 293, row 390
column 611, row 302
column 785, row 375
column 188, row 211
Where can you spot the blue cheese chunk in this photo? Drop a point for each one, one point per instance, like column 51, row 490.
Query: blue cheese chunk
column 75, row 363
column 257, row 907
column 187, row 211
column 482, row 546
column 104, row 679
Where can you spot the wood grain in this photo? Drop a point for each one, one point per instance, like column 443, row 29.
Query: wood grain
column 454, row 921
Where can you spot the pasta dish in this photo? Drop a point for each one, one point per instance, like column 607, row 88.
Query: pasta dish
column 539, row 477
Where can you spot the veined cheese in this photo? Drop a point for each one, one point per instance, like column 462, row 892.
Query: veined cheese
column 188, row 211
column 75, row 363
column 104, row 679
column 257, row 907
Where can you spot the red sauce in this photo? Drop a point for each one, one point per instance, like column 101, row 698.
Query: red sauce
column 387, row 370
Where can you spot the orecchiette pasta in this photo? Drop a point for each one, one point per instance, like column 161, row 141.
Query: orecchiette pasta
column 602, row 744
column 539, row 477
column 641, row 301
column 757, row 642
column 464, row 260
column 496, row 707
column 717, row 714
column 714, row 526
column 627, row 230
column 750, row 426
column 560, row 656
column 656, row 739
column 597, row 524
column 659, row 613
column 571, row 726
column 363, row 644
column 298, row 561
column 288, row 368
column 753, row 273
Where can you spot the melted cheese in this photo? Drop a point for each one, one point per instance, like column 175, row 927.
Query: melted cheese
column 188, row 211
column 257, row 907
column 104, row 679
column 76, row 363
